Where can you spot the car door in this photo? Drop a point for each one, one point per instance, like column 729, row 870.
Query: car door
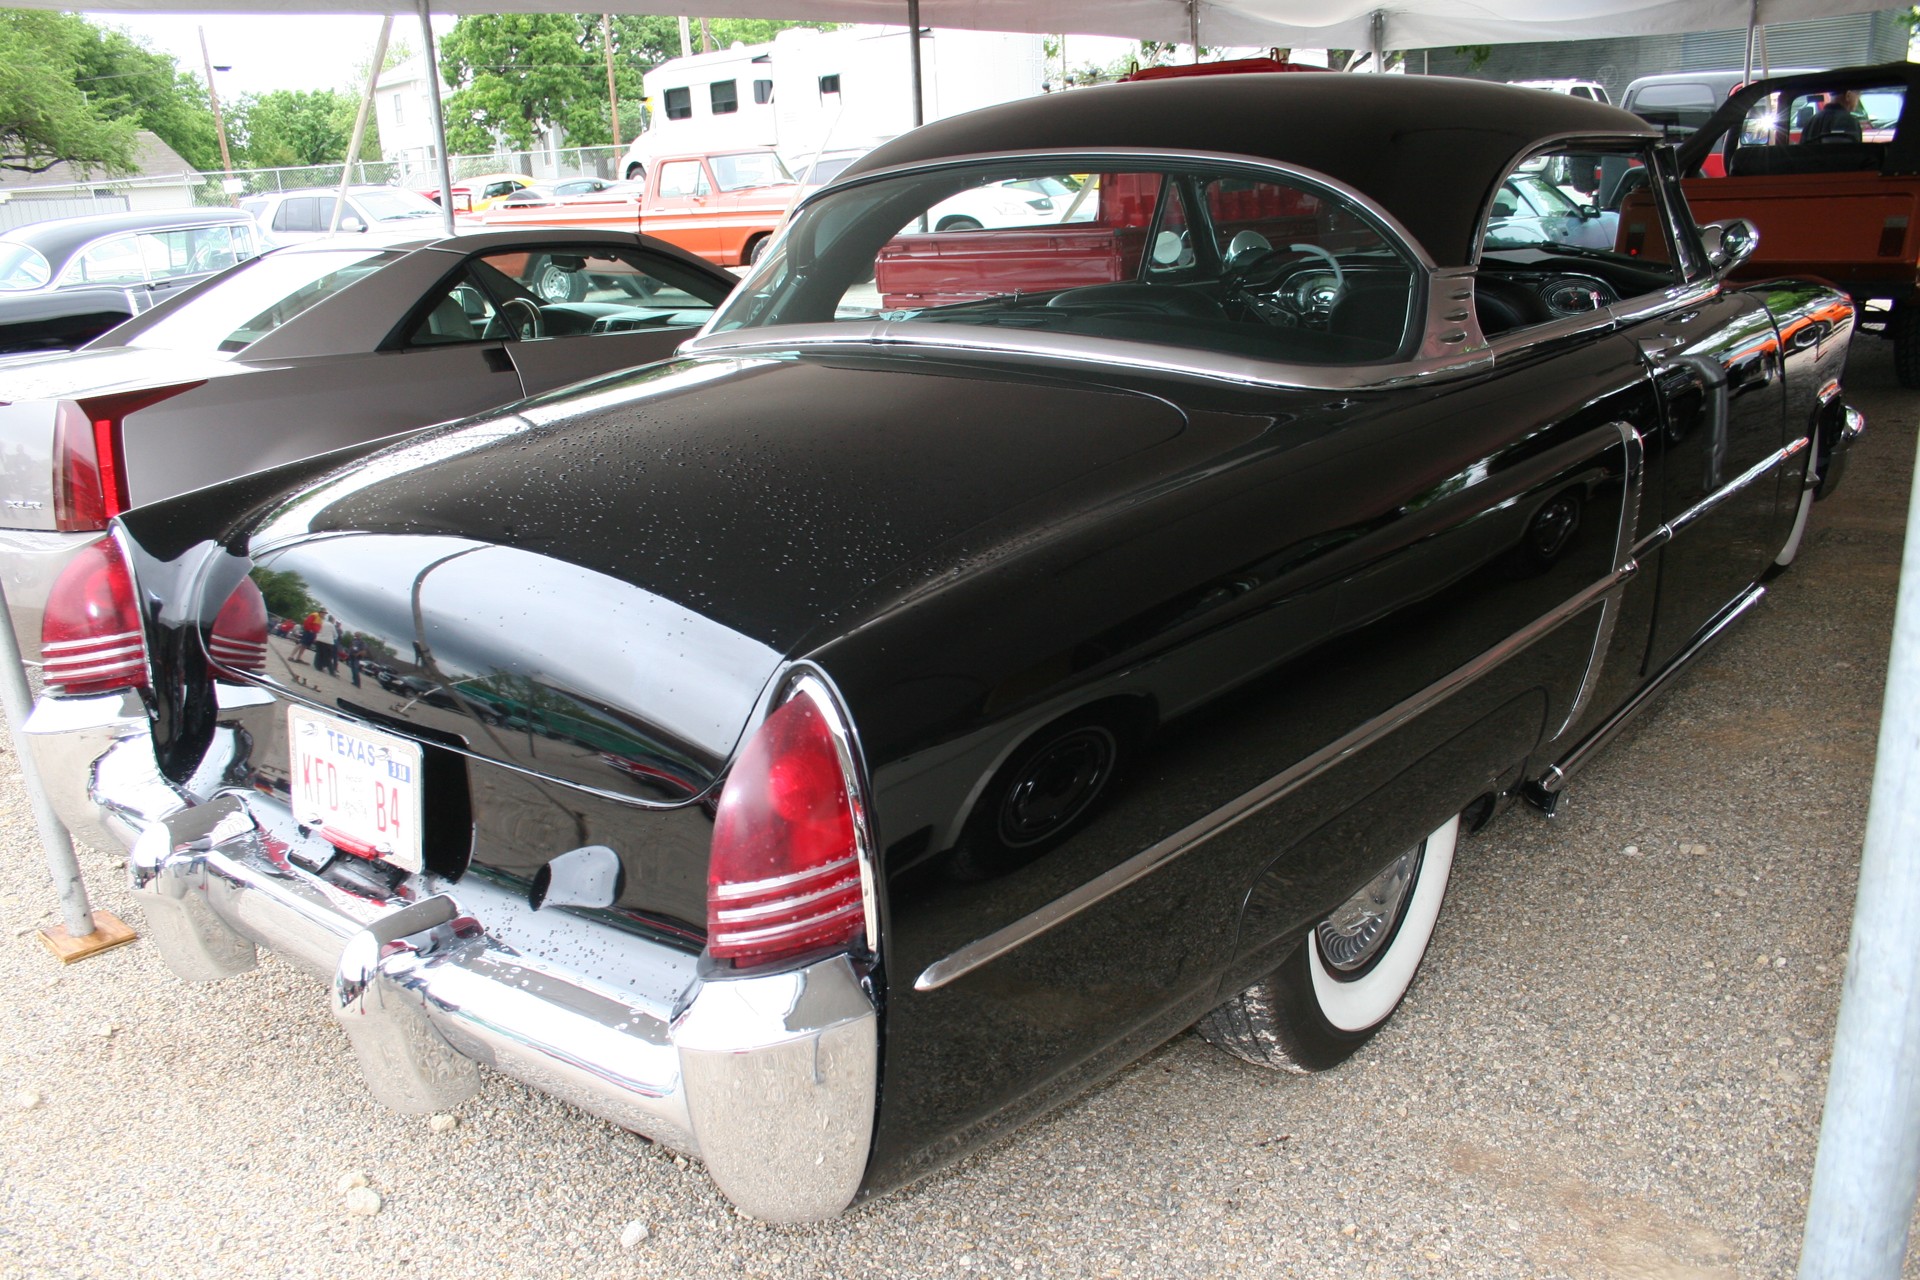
column 679, row 211
column 598, row 308
column 1716, row 362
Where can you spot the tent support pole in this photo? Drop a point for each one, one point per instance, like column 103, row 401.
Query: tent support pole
column 1193, row 27
column 1868, row 1167
column 360, row 122
column 913, row 60
column 432, row 56
column 1753, row 23
column 1377, row 38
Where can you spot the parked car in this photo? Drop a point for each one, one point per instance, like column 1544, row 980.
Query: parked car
column 724, row 206
column 306, row 213
column 929, row 707
column 311, row 348
column 1844, row 208
column 544, row 192
column 483, row 191
column 1015, row 202
column 1591, row 90
column 66, row 281
column 1532, row 209
column 1681, row 101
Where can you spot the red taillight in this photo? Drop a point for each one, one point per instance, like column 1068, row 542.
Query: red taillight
column 90, row 635
column 785, row 876
column 239, row 639
column 89, row 466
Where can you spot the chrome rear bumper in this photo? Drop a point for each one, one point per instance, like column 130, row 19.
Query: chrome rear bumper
column 771, row 1080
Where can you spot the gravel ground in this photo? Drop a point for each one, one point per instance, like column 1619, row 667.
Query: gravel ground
column 1612, row 1066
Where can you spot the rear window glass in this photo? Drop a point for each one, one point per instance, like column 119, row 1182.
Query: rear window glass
column 1236, row 260
column 246, row 305
column 22, row 267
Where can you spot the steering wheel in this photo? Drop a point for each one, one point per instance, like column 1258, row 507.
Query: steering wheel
column 1251, row 283
column 530, row 326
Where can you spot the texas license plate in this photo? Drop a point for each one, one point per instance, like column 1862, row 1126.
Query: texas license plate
column 357, row 787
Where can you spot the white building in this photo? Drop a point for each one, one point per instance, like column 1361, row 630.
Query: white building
column 404, row 109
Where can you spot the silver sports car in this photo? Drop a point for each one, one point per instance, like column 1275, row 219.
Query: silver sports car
column 314, row 348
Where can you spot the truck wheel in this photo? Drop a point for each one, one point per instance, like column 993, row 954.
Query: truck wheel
column 1349, row 974
column 1905, row 328
column 556, row 284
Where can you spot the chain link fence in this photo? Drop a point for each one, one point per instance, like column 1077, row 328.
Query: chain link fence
column 557, row 163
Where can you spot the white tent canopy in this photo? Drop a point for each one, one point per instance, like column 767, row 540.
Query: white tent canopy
column 1312, row 24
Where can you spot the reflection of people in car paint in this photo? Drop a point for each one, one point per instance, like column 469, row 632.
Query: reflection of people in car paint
column 1838, row 121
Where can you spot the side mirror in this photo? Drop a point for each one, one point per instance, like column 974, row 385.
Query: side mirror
column 350, row 223
column 1730, row 243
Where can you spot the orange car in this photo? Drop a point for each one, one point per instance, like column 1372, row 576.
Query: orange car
column 1826, row 166
column 724, row 206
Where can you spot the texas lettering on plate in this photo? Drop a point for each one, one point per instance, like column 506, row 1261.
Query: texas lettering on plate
column 357, row 786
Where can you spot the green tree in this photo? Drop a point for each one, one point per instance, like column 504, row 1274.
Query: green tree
column 285, row 592
column 286, row 127
column 45, row 116
column 125, row 79
column 515, row 74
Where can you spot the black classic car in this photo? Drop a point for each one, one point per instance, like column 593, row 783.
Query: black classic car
column 981, row 654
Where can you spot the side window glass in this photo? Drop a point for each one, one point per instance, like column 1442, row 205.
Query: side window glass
column 683, row 178
column 1570, row 233
column 590, row 289
column 679, row 103
column 118, row 260
column 724, row 96
column 464, row 312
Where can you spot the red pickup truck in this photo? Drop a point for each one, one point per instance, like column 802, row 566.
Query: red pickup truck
column 724, row 206
column 1837, row 196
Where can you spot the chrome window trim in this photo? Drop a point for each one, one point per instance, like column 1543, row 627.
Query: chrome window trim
column 1057, row 912
column 69, row 272
column 1527, row 153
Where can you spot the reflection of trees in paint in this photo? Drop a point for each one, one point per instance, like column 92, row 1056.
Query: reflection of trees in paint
column 520, row 703
column 285, row 592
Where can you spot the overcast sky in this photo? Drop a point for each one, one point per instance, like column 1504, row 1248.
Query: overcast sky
column 322, row 52
column 269, row 51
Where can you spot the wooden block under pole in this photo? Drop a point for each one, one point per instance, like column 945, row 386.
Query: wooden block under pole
column 108, row 932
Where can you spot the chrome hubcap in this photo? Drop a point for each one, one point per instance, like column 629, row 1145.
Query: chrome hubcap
column 1355, row 934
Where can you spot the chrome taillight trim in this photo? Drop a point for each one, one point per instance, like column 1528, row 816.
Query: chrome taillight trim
column 122, row 638
column 754, row 888
column 812, row 683
column 795, row 902
column 774, row 933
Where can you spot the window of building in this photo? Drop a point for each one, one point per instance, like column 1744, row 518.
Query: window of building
column 399, row 115
column 724, row 96
column 829, row 84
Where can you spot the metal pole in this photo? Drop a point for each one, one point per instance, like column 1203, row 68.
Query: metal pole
column 61, row 864
column 439, row 116
column 686, row 37
column 1868, row 1167
column 360, row 122
column 1377, row 39
column 613, row 94
column 1193, row 27
column 1753, row 21
column 913, row 58
column 213, row 100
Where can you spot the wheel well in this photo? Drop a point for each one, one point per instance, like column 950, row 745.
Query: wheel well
column 636, row 171
column 751, row 248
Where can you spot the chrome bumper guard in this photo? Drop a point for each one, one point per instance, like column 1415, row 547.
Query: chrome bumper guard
column 772, row 1081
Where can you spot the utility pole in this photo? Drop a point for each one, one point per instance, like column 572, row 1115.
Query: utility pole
column 686, row 37
column 213, row 99
column 706, row 37
column 613, row 94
